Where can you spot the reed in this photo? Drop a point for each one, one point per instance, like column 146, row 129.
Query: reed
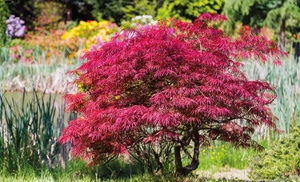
column 46, row 70
column 4, row 54
column 49, row 76
column 286, row 79
column 29, row 132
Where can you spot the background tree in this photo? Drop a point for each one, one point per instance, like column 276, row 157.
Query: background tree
column 283, row 17
column 177, row 83
column 108, row 9
column 77, row 10
column 280, row 15
column 25, row 9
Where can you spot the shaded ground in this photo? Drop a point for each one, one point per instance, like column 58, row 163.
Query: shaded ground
column 231, row 174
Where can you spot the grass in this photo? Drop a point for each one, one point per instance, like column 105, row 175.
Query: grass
column 224, row 155
column 137, row 178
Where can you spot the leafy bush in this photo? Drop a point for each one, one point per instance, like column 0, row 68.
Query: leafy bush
column 165, row 91
column 48, row 15
column 281, row 160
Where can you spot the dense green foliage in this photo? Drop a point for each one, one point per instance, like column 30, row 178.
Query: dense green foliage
column 280, row 15
column 4, row 14
column 107, row 9
column 141, row 7
column 118, row 10
column 188, row 9
column 248, row 12
column 281, row 160
column 25, row 9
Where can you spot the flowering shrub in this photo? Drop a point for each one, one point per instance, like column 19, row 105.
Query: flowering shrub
column 51, row 42
column 139, row 22
column 15, row 27
column 44, row 46
column 49, row 15
column 45, row 39
column 176, row 83
column 18, row 53
column 90, row 32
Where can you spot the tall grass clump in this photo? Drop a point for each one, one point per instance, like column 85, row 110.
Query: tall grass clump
column 285, row 78
column 29, row 132
column 4, row 54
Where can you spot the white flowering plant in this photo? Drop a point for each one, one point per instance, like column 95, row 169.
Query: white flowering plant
column 139, row 21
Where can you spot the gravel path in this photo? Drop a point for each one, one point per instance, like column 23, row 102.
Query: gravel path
column 231, row 174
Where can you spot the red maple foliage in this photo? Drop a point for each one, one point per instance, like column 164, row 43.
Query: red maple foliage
column 176, row 82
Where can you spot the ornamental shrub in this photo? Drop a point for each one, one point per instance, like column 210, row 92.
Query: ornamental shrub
column 166, row 90
column 15, row 27
column 281, row 161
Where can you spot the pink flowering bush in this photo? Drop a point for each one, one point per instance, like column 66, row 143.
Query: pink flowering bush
column 19, row 54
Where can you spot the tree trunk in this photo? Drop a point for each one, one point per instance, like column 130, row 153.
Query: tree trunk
column 178, row 162
column 183, row 171
column 160, row 166
column 282, row 31
column 282, row 35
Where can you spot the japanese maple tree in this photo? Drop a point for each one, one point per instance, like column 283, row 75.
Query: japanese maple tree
column 176, row 84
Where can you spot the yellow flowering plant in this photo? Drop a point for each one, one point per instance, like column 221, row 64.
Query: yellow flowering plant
column 91, row 31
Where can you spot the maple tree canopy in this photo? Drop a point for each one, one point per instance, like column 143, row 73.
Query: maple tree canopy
column 176, row 80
